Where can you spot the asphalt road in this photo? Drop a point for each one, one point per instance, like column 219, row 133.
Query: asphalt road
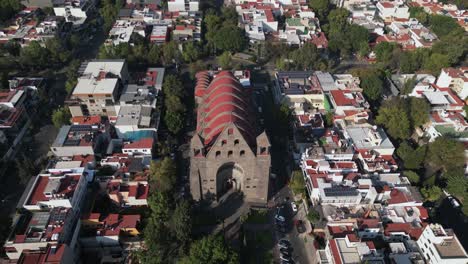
column 302, row 244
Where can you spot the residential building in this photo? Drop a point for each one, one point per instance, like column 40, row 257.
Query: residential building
column 79, row 140
column 62, row 189
column 227, row 152
column 122, row 30
column 106, row 231
column 349, row 250
column 183, row 5
column 74, row 11
column 35, row 231
column 142, row 146
column 439, row 245
column 300, row 90
column 389, row 11
column 159, row 34
column 125, row 194
column 133, row 120
column 455, row 79
column 99, row 88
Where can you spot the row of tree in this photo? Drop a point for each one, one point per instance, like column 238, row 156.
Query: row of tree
column 305, row 58
column 401, row 116
column 175, row 109
column 439, row 164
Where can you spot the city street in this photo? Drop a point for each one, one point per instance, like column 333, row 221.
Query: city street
column 302, row 244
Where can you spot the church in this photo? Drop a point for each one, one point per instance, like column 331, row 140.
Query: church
column 227, row 152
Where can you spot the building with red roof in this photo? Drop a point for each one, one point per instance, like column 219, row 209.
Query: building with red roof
column 349, row 249
column 139, row 147
column 38, row 230
column 227, row 150
column 132, row 193
column 57, row 189
column 108, row 230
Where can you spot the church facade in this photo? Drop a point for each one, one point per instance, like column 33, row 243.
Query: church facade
column 227, row 151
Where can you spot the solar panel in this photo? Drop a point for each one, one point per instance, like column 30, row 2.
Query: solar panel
column 340, row 191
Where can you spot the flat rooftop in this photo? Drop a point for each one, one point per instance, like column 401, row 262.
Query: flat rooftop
column 369, row 138
column 95, row 86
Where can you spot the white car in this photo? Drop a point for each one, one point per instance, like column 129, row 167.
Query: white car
column 294, row 207
column 280, row 218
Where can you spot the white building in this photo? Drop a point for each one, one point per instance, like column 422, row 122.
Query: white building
column 183, row 5
column 441, row 246
column 455, row 79
column 392, row 10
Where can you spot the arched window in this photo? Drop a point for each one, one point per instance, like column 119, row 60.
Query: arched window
column 242, row 153
column 223, row 142
column 230, row 153
column 218, row 153
column 236, row 142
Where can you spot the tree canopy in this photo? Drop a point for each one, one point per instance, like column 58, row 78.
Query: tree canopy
column 9, row 8
column 297, row 183
column 393, row 117
column 61, row 116
column 210, row 250
column 163, row 174
column 445, row 154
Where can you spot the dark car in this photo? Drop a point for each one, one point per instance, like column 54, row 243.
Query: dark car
column 284, row 243
column 300, row 226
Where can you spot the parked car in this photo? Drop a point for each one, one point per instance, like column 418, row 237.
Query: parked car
column 285, row 243
column 294, row 207
column 300, row 226
column 453, row 202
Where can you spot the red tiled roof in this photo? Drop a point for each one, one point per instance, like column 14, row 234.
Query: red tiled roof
column 86, row 120
column 368, row 223
column 145, row 143
column 335, row 252
column 423, row 214
column 397, row 197
column 352, row 238
column 341, row 99
column 407, row 228
column 38, row 191
column 340, row 231
column 224, row 101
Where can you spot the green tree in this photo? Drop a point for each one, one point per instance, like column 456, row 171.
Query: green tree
column 154, row 54
column 297, row 183
column 329, row 116
column 408, row 86
column 412, row 176
column 9, row 8
column 443, row 25
column 320, row 7
column 173, row 86
column 372, row 85
column 384, row 51
column 58, row 54
column 61, row 116
column 457, row 185
column 229, row 38
column 170, row 53
column 225, row 60
column 191, row 52
column 109, row 11
column 210, row 250
column 419, row 111
column 174, row 121
column 393, row 117
column 163, row 174
column 306, row 58
column 436, row 62
column 412, row 158
column 313, row 216
column 364, row 49
column 431, row 193
column 445, row 154
column 34, row 55
column 181, row 222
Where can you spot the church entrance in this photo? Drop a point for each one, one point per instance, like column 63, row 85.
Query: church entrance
column 229, row 178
